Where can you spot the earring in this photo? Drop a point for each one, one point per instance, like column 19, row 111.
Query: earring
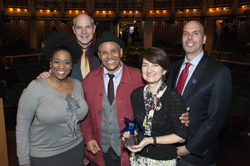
column 163, row 77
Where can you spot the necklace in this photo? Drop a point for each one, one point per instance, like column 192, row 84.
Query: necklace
column 60, row 85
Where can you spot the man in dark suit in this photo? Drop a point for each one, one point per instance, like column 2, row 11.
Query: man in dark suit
column 206, row 88
column 84, row 29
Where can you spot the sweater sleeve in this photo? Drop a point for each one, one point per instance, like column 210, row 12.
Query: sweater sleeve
column 177, row 108
column 26, row 111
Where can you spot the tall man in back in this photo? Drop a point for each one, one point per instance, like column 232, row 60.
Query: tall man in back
column 84, row 29
column 206, row 88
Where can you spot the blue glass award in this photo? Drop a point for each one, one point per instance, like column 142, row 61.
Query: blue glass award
column 131, row 126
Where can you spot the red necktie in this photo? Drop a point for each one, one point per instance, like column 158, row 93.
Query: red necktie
column 182, row 78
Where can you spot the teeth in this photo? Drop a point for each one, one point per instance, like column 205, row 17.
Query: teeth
column 150, row 75
column 61, row 72
column 111, row 61
column 190, row 44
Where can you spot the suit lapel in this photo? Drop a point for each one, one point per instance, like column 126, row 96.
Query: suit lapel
column 175, row 72
column 195, row 78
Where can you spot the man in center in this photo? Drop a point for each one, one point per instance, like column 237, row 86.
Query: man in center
column 105, row 120
column 107, row 91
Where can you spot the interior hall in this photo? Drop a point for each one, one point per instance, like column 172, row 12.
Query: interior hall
column 25, row 25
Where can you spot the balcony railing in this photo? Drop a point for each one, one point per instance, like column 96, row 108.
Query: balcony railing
column 17, row 3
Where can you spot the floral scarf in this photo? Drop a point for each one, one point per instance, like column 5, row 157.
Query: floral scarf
column 152, row 104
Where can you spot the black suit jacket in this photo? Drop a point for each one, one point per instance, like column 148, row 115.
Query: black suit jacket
column 76, row 68
column 208, row 94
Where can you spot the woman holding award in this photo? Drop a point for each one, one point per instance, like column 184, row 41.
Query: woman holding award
column 157, row 109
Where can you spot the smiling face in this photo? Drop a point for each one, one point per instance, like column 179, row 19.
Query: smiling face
column 110, row 55
column 152, row 73
column 84, row 29
column 61, row 64
column 193, row 39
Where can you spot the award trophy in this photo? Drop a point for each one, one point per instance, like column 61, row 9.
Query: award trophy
column 131, row 126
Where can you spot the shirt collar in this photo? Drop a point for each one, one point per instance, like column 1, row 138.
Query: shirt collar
column 196, row 60
column 117, row 73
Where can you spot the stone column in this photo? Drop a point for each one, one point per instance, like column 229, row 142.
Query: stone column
column 210, row 32
column 32, row 32
column 148, row 34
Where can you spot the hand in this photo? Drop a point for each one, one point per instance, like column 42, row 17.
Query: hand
column 85, row 161
column 93, row 147
column 185, row 117
column 127, row 135
column 44, row 74
column 182, row 151
column 143, row 143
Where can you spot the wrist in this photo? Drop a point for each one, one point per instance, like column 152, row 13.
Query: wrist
column 154, row 141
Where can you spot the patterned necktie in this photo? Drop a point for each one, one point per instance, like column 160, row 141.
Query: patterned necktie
column 183, row 78
column 111, row 88
column 85, row 69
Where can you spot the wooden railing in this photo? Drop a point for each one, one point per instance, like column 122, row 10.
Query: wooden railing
column 21, row 56
column 3, row 142
column 223, row 2
column 17, row 3
column 188, row 3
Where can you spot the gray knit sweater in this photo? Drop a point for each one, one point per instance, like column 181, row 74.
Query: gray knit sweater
column 42, row 129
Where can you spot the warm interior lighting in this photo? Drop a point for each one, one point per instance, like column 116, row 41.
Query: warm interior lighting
column 164, row 11
column 77, row 11
column 47, row 10
column 109, row 11
column 41, row 10
column 130, row 12
column 25, row 10
column 103, row 12
column 243, row 6
column 136, row 12
column 210, row 9
column 134, row 21
column 150, row 11
column 70, row 11
column 194, row 9
column 224, row 8
column 54, row 10
column 157, row 11
column 18, row 10
column 11, row 9
column 83, row 11
column 124, row 11
column 187, row 10
column 217, row 8
column 97, row 11
column 221, row 21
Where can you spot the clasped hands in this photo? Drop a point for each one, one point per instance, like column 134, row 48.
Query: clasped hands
column 137, row 148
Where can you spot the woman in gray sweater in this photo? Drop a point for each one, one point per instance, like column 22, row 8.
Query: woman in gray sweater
column 50, row 110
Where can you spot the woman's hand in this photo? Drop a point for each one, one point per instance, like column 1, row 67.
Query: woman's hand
column 143, row 143
column 85, row 161
column 125, row 135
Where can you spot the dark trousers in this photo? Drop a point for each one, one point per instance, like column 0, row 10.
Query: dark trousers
column 182, row 162
column 110, row 159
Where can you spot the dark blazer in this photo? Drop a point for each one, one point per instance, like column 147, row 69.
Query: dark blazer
column 76, row 68
column 208, row 94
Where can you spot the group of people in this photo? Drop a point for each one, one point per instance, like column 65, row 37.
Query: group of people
column 80, row 103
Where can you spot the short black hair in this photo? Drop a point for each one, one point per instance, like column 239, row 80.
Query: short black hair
column 62, row 41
